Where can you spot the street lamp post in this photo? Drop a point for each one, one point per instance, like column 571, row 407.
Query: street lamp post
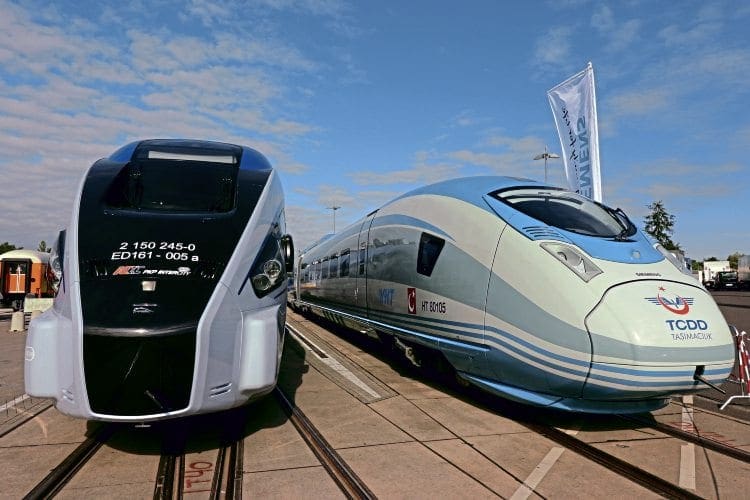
column 334, row 208
column 546, row 156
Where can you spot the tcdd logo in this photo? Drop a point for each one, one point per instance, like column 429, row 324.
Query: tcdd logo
column 412, row 294
column 677, row 305
column 687, row 324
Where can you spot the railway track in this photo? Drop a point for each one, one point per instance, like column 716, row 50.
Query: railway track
column 224, row 478
column 64, row 472
column 179, row 473
column 351, row 485
column 740, row 306
column 648, row 479
column 693, row 437
column 651, row 479
column 623, row 468
column 175, row 478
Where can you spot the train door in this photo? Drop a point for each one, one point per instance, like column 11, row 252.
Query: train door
column 16, row 281
column 299, row 278
column 16, row 276
column 360, row 291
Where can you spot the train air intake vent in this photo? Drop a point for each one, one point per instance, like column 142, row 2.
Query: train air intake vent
column 220, row 389
column 68, row 395
column 543, row 233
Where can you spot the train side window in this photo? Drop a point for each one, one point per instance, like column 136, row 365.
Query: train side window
column 324, row 268
column 334, row 266
column 344, row 263
column 429, row 250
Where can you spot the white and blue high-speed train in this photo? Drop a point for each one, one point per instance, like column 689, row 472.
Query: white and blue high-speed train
column 172, row 286
column 529, row 291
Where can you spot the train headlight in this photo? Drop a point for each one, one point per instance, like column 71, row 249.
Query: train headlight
column 268, row 272
column 573, row 259
column 671, row 258
column 265, row 281
column 55, row 269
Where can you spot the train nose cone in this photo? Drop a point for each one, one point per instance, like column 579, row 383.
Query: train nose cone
column 650, row 337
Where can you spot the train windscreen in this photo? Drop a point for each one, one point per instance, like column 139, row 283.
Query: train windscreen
column 568, row 211
column 171, row 185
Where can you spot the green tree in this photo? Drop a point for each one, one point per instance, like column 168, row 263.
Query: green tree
column 660, row 224
column 43, row 247
column 7, row 247
column 733, row 259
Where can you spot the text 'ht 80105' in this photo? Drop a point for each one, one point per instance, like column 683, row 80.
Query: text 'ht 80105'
column 171, row 286
column 529, row 291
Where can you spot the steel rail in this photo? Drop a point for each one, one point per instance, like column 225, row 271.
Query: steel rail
column 351, row 485
column 228, row 472
column 165, row 477
column 64, row 472
column 741, row 306
column 611, row 462
column 692, row 437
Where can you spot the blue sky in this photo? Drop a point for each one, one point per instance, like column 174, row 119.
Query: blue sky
column 357, row 102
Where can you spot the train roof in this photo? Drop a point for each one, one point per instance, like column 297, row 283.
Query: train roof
column 471, row 189
column 193, row 150
column 468, row 189
column 22, row 254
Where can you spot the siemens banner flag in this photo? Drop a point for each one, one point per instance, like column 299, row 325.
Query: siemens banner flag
column 574, row 107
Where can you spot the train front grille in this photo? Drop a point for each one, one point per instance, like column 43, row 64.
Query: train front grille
column 138, row 375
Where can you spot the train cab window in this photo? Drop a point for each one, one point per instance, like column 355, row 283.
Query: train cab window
column 333, row 265
column 429, row 250
column 172, row 185
column 568, row 211
column 344, row 263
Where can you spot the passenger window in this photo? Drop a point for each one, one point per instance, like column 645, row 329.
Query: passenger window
column 334, row 266
column 324, row 268
column 429, row 250
column 345, row 263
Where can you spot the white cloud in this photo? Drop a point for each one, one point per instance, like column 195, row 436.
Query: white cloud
column 424, row 173
column 618, row 36
column 70, row 95
column 674, row 36
column 554, row 48
column 643, row 102
column 602, row 19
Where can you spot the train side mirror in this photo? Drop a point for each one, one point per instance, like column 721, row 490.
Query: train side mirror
column 287, row 251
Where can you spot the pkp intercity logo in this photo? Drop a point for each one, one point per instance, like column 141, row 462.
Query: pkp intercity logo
column 672, row 303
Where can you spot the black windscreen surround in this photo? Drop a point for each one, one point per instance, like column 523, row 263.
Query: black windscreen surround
column 174, row 186
column 184, row 252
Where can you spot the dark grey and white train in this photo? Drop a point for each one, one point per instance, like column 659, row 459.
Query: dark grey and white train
column 172, row 289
